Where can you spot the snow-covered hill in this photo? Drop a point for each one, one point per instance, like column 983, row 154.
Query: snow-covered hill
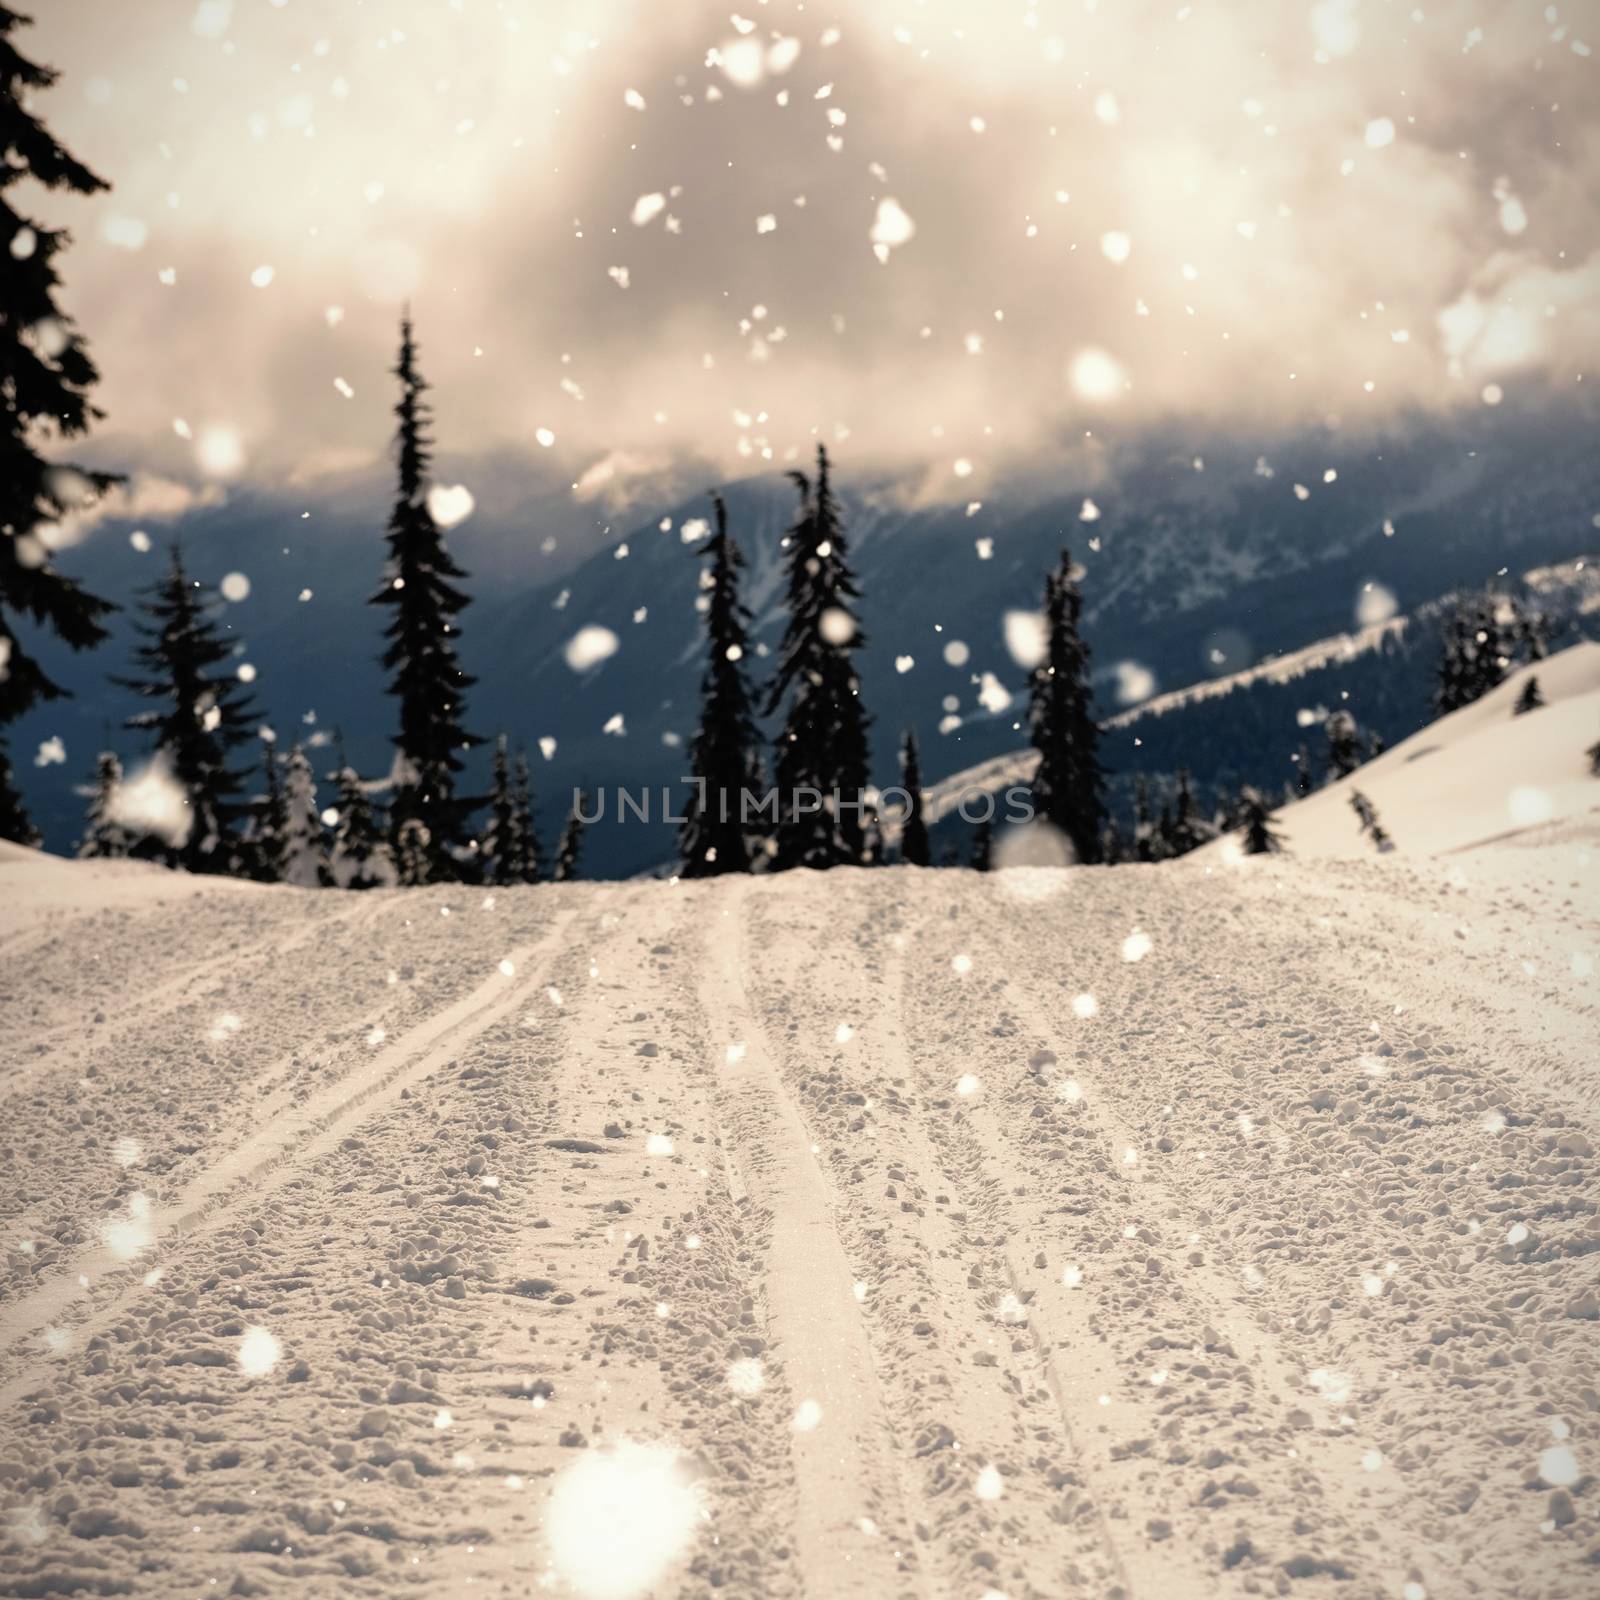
column 1143, row 1230
column 1480, row 773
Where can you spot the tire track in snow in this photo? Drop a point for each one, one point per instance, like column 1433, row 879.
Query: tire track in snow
column 1313, row 1430
column 171, row 994
column 1000, row 1490
column 270, row 1157
column 843, row 1439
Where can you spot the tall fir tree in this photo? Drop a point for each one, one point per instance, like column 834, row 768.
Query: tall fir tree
column 267, row 837
column 1188, row 830
column 982, row 857
column 1453, row 674
column 1069, row 784
column 1531, row 698
column 358, row 856
column 1260, row 838
column 45, row 379
column 711, row 839
column 104, row 838
column 914, row 830
column 420, row 588
column 1143, row 827
column 305, row 862
column 501, row 850
column 571, row 846
column 530, row 859
column 1593, row 753
column 15, row 824
column 200, row 718
column 1367, row 817
column 1344, row 744
column 822, row 749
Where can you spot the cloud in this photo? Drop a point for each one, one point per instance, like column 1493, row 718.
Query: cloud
column 145, row 497
column 1275, row 261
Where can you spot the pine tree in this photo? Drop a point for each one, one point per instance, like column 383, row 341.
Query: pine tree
column 202, row 718
column 1113, row 850
column 530, row 860
column 359, row 858
column 571, row 844
column 45, row 379
column 1188, row 829
column 501, row 851
column 104, row 838
column 14, row 822
column 823, row 746
column 711, row 839
column 267, row 844
column 1069, row 785
column 1491, row 648
column 426, row 678
column 1344, row 745
column 914, row 830
column 413, row 853
column 982, row 859
column 1260, row 838
column 1452, row 676
column 305, row 842
column 1367, row 814
column 1376, row 744
column 1593, row 753
column 1143, row 826
column 1531, row 699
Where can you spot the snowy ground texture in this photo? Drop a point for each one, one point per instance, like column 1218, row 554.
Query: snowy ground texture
column 1197, row 1230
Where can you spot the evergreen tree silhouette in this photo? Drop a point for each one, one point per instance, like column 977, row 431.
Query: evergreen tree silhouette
column 1069, row 785
column 305, row 859
column 201, row 718
column 530, row 860
column 1531, row 698
column 104, row 838
column 711, row 839
column 1593, row 753
column 982, row 858
column 1453, row 674
column 1143, row 826
column 358, row 856
column 15, row 824
column 1344, row 744
column 420, row 588
column 914, row 830
column 1367, row 815
column 1188, row 830
column 571, row 845
column 1260, row 838
column 1113, row 848
column 45, row 379
column 267, row 843
column 502, row 851
column 823, row 745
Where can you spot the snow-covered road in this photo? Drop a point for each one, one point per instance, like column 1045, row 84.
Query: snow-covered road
column 1147, row 1231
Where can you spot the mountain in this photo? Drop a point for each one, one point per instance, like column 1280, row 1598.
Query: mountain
column 1482, row 774
column 1201, row 556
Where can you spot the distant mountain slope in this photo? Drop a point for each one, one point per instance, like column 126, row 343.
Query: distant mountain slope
column 1479, row 774
column 1187, row 573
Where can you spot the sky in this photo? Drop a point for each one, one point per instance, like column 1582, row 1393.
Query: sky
column 954, row 240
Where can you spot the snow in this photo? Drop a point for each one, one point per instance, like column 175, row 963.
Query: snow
column 1477, row 775
column 814, row 1225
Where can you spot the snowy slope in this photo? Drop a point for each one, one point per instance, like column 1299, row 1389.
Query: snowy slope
column 1478, row 774
column 889, row 1234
